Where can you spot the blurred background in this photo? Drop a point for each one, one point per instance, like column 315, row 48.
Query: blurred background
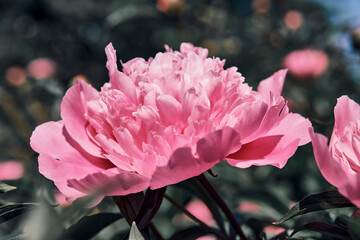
column 45, row 45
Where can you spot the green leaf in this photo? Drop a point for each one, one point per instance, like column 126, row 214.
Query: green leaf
column 190, row 233
column 352, row 224
column 11, row 211
column 88, row 226
column 342, row 221
column 317, row 202
column 354, row 227
column 80, row 205
column 6, row 188
column 325, row 228
column 135, row 233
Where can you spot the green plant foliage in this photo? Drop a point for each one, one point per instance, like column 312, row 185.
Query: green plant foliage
column 317, row 202
column 135, row 234
column 6, row 188
column 88, row 226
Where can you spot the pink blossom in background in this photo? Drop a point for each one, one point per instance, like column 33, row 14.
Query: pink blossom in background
column 293, row 19
column 168, row 5
column 261, row 6
column 162, row 121
column 248, row 207
column 206, row 238
column 307, row 63
column 273, row 230
column 11, row 170
column 41, row 68
column 15, row 75
column 200, row 211
column 339, row 162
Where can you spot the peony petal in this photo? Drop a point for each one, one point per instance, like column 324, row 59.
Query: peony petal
column 351, row 190
column 169, row 109
column 273, row 84
column 183, row 165
column 254, row 111
column 160, row 145
column 59, row 160
column 115, row 153
column 345, row 111
column 333, row 170
column 257, row 149
column 127, row 143
column 162, row 65
column 125, row 84
column 293, row 126
column 52, row 139
column 111, row 64
column 111, row 182
column 73, row 113
column 147, row 114
column 60, row 172
column 271, row 119
column 118, row 79
column 270, row 150
column 217, row 145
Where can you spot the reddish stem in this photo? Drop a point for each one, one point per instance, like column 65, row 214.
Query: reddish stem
column 202, row 179
column 155, row 231
column 187, row 213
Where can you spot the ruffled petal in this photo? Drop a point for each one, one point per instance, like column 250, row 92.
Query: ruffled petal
column 183, row 164
column 293, row 126
column 345, row 111
column 254, row 111
column 74, row 115
column 351, row 189
column 169, row 109
column 61, row 159
column 334, row 171
column 59, row 172
column 111, row 182
column 273, row 84
column 269, row 150
column 118, row 79
column 52, row 139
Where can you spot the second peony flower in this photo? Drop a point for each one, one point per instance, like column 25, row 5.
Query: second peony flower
column 339, row 162
column 162, row 121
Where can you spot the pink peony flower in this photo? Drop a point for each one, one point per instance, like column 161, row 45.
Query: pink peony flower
column 41, row 68
column 306, row 64
column 162, row 121
column 340, row 162
column 11, row 170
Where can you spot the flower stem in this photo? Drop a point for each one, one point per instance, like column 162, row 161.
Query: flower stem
column 202, row 179
column 155, row 231
column 190, row 215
